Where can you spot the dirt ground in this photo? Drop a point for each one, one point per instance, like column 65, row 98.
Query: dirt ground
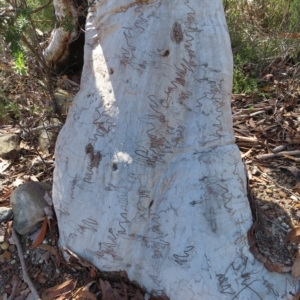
column 267, row 130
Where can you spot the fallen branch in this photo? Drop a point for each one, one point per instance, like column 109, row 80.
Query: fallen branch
column 296, row 159
column 272, row 155
column 24, row 269
column 279, row 148
column 246, row 154
column 257, row 113
column 247, row 139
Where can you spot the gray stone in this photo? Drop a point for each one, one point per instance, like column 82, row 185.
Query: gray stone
column 5, row 214
column 48, row 134
column 28, row 204
column 9, row 146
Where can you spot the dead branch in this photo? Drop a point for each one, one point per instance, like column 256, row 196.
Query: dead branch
column 24, row 269
column 41, row 7
column 247, row 139
column 272, row 155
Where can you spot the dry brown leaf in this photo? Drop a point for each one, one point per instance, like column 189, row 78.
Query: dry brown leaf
column 41, row 278
column 293, row 236
column 138, row 296
column 65, row 296
column 59, row 289
column 255, row 178
column 296, row 188
column 263, row 169
column 41, row 235
column 52, row 251
column 33, row 178
column 290, row 35
column 93, row 272
column 124, row 275
column 162, row 297
column 296, row 266
column 266, row 89
column 85, row 295
column 7, row 193
column 107, row 290
column 76, row 259
column 252, row 123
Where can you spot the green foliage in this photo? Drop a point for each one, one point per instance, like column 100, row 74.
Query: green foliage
column 20, row 63
column 7, row 106
column 260, row 30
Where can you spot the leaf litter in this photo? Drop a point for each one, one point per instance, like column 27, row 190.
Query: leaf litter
column 267, row 130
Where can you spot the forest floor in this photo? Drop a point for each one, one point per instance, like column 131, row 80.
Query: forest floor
column 267, row 130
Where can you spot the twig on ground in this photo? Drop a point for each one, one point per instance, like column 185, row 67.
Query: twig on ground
column 24, row 269
column 279, row 226
column 279, row 148
column 247, row 153
column 12, row 295
column 247, row 139
column 272, row 155
column 48, row 127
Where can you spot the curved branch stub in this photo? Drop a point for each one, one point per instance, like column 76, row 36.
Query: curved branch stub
column 57, row 50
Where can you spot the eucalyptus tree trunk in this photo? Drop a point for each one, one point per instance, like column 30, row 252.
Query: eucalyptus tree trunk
column 148, row 178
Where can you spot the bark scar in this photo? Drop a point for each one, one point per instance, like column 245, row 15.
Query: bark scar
column 176, row 33
column 95, row 158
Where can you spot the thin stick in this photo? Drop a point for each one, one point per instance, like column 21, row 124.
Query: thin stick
column 246, row 139
column 12, row 295
column 25, row 274
column 283, row 153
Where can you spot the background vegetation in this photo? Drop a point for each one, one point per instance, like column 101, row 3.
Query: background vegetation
column 263, row 33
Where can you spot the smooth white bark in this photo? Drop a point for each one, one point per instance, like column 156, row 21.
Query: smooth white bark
column 148, row 178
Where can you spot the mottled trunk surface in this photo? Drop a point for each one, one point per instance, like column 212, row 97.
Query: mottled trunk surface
column 148, row 178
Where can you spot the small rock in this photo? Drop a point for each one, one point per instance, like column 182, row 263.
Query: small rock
column 9, row 146
column 13, row 262
column 4, row 246
column 1, row 238
column 28, row 204
column 265, row 207
column 5, row 214
column 47, row 137
column 268, row 191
